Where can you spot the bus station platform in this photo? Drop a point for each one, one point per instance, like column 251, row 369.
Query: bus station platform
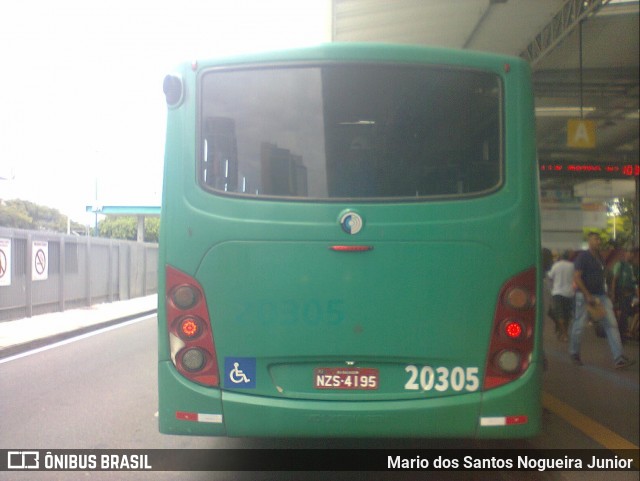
column 33, row 332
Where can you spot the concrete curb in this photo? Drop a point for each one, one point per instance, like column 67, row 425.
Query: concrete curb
column 61, row 336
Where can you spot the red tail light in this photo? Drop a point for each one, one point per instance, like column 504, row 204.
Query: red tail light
column 512, row 337
column 513, row 329
column 190, row 335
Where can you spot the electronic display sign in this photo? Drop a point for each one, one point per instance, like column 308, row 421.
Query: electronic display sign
column 591, row 170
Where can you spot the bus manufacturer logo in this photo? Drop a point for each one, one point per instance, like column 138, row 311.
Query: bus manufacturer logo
column 351, row 223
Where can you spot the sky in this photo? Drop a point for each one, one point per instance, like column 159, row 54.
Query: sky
column 81, row 103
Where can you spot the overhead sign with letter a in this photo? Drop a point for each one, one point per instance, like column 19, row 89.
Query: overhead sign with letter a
column 581, row 134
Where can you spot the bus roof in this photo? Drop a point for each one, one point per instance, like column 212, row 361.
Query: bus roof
column 378, row 52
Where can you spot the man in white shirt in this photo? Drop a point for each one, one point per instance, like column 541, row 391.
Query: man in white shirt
column 563, row 293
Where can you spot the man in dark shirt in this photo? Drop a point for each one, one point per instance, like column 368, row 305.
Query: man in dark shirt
column 590, row 281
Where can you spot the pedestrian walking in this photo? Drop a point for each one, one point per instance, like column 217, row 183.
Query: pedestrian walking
column 590, row 282
column 561, row 274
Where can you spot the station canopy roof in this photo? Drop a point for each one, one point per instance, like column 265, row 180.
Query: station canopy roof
column 547, row 33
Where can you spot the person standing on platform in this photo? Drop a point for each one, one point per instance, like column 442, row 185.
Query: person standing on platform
column 590, row 281
column 624, row 287
column 561, row 274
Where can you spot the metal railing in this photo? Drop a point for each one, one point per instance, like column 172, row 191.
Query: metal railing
column 43, row 272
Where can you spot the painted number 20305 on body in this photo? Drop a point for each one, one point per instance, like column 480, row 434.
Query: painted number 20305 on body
column 442, row 379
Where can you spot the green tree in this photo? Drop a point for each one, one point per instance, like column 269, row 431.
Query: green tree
column 118, row 227
column 22, row 214
column 151, row 229
column 126, row 227
column 14, row 214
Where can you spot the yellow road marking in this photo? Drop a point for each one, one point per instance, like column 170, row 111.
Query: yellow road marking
column 591, row 428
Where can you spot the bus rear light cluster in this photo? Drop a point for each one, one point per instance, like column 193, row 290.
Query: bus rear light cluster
column 512, row 336
column 190, row 334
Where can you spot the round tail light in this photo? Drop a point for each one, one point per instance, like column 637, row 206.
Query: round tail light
column 508, row 361
column 184, row 297
column 193, row 359
column 513, row 330
column 518, row 298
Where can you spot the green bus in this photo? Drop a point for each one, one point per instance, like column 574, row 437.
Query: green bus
column 350, row 246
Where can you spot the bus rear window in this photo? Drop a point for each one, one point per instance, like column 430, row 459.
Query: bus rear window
column 350, row 131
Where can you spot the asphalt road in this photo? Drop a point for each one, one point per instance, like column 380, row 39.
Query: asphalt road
column 99, row 392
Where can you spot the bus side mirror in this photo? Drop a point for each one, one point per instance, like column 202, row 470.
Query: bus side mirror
column 172, row 87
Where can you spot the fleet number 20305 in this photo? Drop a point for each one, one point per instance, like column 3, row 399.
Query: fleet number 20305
column 442, row 379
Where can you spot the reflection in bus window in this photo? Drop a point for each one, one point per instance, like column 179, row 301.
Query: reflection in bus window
column 351, row 131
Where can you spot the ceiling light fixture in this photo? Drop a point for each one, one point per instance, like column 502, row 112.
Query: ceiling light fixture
column 563, row 111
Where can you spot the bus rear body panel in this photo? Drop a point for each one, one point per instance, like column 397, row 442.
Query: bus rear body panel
column 387, row 312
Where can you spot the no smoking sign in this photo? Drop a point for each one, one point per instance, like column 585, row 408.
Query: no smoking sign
column 40, row 261
column 5, row 262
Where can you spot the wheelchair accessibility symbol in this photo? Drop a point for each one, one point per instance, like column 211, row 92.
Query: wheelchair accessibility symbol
column 240, row 372
column 237, row 375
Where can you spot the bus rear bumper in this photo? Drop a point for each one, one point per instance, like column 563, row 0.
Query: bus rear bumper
column 187, row 408
column 511, row 411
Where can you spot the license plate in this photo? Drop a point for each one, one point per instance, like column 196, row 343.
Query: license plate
column 350, row 378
